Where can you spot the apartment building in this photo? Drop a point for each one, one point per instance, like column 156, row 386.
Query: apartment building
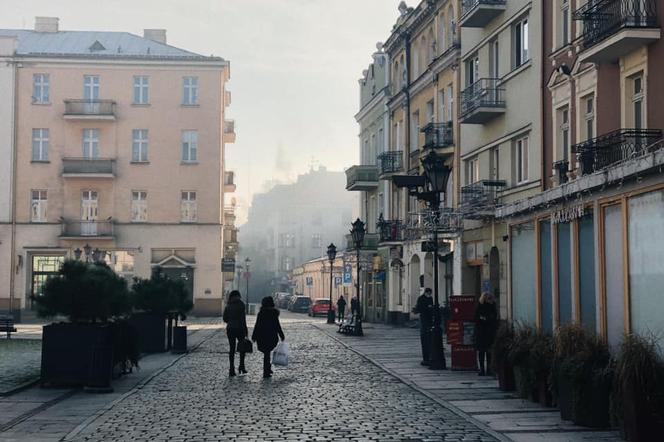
column 119, row 157
column 501, row 128
column 588, row 249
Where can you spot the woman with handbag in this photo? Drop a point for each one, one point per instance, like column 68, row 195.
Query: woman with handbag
column 236, row 329
column 267, row 332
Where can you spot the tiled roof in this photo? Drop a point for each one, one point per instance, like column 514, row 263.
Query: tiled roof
column 95, row 44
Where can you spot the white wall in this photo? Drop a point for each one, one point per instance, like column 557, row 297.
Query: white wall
column 7, row 89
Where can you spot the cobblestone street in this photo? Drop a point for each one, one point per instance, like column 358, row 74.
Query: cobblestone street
column 326, row 393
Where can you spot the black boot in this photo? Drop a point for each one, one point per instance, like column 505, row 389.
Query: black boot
column 231, row 372
column 241, row 368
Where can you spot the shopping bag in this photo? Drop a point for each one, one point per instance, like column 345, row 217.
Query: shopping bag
column 281, row 354
column 245, row 346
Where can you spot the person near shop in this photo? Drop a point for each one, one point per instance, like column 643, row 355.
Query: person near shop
column 236, row 330
column 486, row 322
column 341, row 308
column 424, row 307
column 267, row 332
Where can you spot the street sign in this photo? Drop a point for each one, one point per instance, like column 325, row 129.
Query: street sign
column 348, row 274
column 310, row 281
column 228, row 265
column 337, row 280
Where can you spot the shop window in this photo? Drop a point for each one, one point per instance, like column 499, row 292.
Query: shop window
column 564, row 261
column 546, row 304
column 523, row 272
column 586, row 251
column 614, row 289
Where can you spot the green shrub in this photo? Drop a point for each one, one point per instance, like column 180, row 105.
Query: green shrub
column 161, row 294
column 531, row 355
column 502, row 345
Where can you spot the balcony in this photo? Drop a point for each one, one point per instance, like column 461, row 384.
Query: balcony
column 88, row 168
column 615, row 147
column 482, row 101
column 229, row 181
column 362, row 178
column 87, row 229
column 230, row 237
column 370, row 242
column 389, row 163
column 89, row 110
column 478, row 13
column 390, row 230
column 479, row 200
column 614, row 28
column 229, row 131
column 445, row 221
column 438, row 135
column 229, row 216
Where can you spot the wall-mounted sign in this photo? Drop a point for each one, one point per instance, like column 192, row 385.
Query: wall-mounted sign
column 337, row 280
column 348, row 274
column 310, row 281
column 568, row 214
column 228, row 265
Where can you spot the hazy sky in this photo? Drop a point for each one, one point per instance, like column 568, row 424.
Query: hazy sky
column 294, row 69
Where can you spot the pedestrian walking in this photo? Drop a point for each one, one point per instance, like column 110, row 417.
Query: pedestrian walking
column 267, row 332
column 424, row 307
column 486, row 321
column 354, row 307
column 236, row 329
column 341, row 308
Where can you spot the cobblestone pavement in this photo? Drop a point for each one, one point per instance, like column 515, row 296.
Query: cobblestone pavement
column 20, row 362
column 327, row 393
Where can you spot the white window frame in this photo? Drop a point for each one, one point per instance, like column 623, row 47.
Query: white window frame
column 139, row 146
column 40, row 144
column 473, row 174
column 495, row 163
column 563, row 134
column 188, row 206
column 190, row 146
column 521, row 160
column 139, row 206
column 589, row 116
column 414, row 131
column 141, row 89
column 91, row 86
column 521, row 44
column 38, row 205
column 564, row 22
column 494, row 47
column 90, row 144
column 638, row 99
column 190, row 91
column 450, row 102
column 41, row 89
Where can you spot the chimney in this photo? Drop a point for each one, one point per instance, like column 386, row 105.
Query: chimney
column 46, row 24
column 158, row 35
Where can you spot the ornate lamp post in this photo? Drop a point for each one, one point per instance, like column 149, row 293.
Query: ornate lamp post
column 357, row 233
column 247, row 261
column 331, row 255
column 436, row 175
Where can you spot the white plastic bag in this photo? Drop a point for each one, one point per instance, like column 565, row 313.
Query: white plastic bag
column 281, row 354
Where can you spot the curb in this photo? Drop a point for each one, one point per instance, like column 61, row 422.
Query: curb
column 103, row 410
column 481, row 425
column 20, row 387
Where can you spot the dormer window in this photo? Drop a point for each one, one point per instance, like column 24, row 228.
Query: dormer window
column 96, row 46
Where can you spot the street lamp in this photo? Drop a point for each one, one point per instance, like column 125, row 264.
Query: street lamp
column 436, row 175
column 357, row 233
column 331, row 255
column 87, row 249
column 247, row 261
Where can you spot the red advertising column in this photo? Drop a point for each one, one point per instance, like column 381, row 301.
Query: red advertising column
column 461, row 332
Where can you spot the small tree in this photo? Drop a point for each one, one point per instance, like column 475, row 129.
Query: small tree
column 161, row 294
column 84, row 292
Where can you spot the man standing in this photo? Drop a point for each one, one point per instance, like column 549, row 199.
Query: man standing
column 424, row 307
column 341, row 308
column 354, row 306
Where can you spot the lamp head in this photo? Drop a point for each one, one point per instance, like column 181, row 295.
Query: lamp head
column 357, row 232
column 331, row 252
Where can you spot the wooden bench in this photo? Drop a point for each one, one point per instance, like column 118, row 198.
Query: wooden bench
column 7, row 325
column 347, row 327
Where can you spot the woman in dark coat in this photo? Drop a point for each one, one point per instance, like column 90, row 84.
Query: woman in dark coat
column 486, row 321
column 267, row 332
column 236, row 329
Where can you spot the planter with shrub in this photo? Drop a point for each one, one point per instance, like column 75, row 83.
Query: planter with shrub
column 96, row 339
column 531, row 355
column 500, row 360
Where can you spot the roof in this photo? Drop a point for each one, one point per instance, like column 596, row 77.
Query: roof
column 96, row 44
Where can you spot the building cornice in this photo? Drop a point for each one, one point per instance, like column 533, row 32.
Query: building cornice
column 215, row 63
column 380, row 98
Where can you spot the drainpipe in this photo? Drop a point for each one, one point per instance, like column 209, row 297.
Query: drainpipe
column 12, row 246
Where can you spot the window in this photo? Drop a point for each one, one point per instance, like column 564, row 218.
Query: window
column 40, row 89
column 188, row 207
column 494, row 56
column 450, row 103
column 472, row 70
column 190, row 146
column 91, row 87
column 564, row 23
column 38, row 206
column 40, row 144
column 429, row 112
column 316, row 241
column 495, row 164
column 381, row 143
column 190, row 91
column 589, row 115
column 139, row 206
column 365, row 153
column 287, row 263
column 473, row 172
column 399, row 135
column 90, row 144
column 442, row 44
column 287, row 240
column 381, row 204
column 139, row 149
column 451, row 26
column 520, row 38
column 415, row 62
column 141, row 90
column 563, row 133
column 521, row 160
column 414, row 131
column 441, row 105
column 637, row 100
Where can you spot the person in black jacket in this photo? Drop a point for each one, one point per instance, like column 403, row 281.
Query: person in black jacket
column 341, row 308
column 267, row 332
column 424, row 307
column 486, row 322
column 236, row 329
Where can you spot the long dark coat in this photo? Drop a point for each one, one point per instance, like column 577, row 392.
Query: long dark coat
column 267, row 330
column 236, row 319
column 424, row 306
column 486, row 322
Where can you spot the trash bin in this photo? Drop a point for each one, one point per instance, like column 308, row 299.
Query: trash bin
column 179, row 339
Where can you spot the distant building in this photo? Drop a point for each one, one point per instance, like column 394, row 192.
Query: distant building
column 119, row 150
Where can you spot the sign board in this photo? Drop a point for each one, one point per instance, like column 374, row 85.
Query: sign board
column 463, row 358
column 337, row 281
column 454, row 332
column 228, row 265
column 348, row 274
column 310, row 281
column 462, row 308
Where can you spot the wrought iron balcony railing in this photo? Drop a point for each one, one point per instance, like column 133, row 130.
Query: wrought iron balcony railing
column 362, row 177
column 370, row 241
column 484, row 93
column 603, row 18
column 479, row 200
column 76, row 229
column 445, row 220
column 438, row 135
column 390, row 162
column 614, row 147
column 90, row 108
column 88, row 167
column 390, row 230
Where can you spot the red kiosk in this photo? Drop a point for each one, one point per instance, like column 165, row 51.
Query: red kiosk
column 461, row 332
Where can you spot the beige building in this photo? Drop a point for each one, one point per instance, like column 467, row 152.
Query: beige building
column 119, row 151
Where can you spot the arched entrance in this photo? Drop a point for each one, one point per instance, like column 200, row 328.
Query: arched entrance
column 414, row 272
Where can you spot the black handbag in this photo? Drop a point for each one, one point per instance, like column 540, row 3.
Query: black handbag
column 245, row 346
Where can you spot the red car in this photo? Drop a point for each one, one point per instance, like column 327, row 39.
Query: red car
column 319, row 307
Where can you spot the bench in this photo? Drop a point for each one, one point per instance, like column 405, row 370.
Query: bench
column 348, row 327
column 7, row 325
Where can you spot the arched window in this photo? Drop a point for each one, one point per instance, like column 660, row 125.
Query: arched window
column 431, row 47
column 442, row 41
column 451, row 25
column 424, row 61
column 396, row 76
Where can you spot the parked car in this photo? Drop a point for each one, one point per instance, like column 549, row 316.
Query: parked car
column 299, row 304
column 281, row 299
column 319, row 307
